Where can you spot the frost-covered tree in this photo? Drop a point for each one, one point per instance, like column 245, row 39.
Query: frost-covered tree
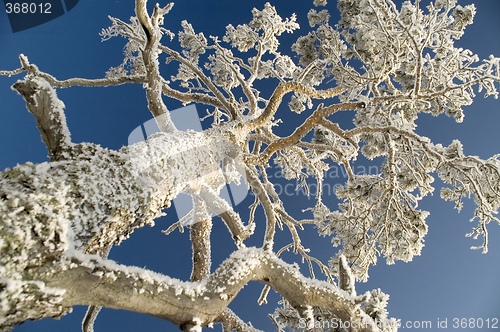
column 383, row 64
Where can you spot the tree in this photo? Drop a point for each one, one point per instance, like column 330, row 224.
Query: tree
column 388, row 66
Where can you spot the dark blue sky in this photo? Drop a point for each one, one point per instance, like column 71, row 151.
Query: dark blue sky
column 447, row 281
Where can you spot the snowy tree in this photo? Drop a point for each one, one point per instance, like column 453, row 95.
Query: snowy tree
column 383, row 64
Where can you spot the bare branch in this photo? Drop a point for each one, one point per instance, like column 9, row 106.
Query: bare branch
column 305, row 128
column 199, row 233
column 282, row 89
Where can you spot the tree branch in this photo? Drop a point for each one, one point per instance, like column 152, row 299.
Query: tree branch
column 220, row 97
column 261, row 194
column 281, row 90
column 230, row 321
column 41, row 101
column 99, row 282
column 34, row 71
column 199, row 233
column 90, row 317
column 306, row 127
column 231, row 218
column 150, row 59
column 192, row 97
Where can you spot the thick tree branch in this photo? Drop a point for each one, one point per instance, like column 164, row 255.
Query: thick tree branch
column 199, row 233
column 281, row 90
column 99, row 282
column 150, row 59
column 41, row 101
column 304, row 128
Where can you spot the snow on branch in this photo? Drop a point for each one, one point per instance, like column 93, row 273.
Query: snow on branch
column 151, row 26
column 96, row 281
column 41, row 101
column 471, row 176
column 232, row 322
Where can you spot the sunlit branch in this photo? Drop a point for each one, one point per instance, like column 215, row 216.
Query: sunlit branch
column 282, row 89
column 34, row 71
column 305, row 128
column 187, row 302
column 48, row 110
column 150, row 58
column 232, row 219
column 92, row 82
column 261, row 193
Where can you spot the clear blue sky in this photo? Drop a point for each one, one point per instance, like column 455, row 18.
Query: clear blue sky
column 447, row 281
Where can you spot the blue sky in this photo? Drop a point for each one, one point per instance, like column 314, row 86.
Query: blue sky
column 447, row 281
